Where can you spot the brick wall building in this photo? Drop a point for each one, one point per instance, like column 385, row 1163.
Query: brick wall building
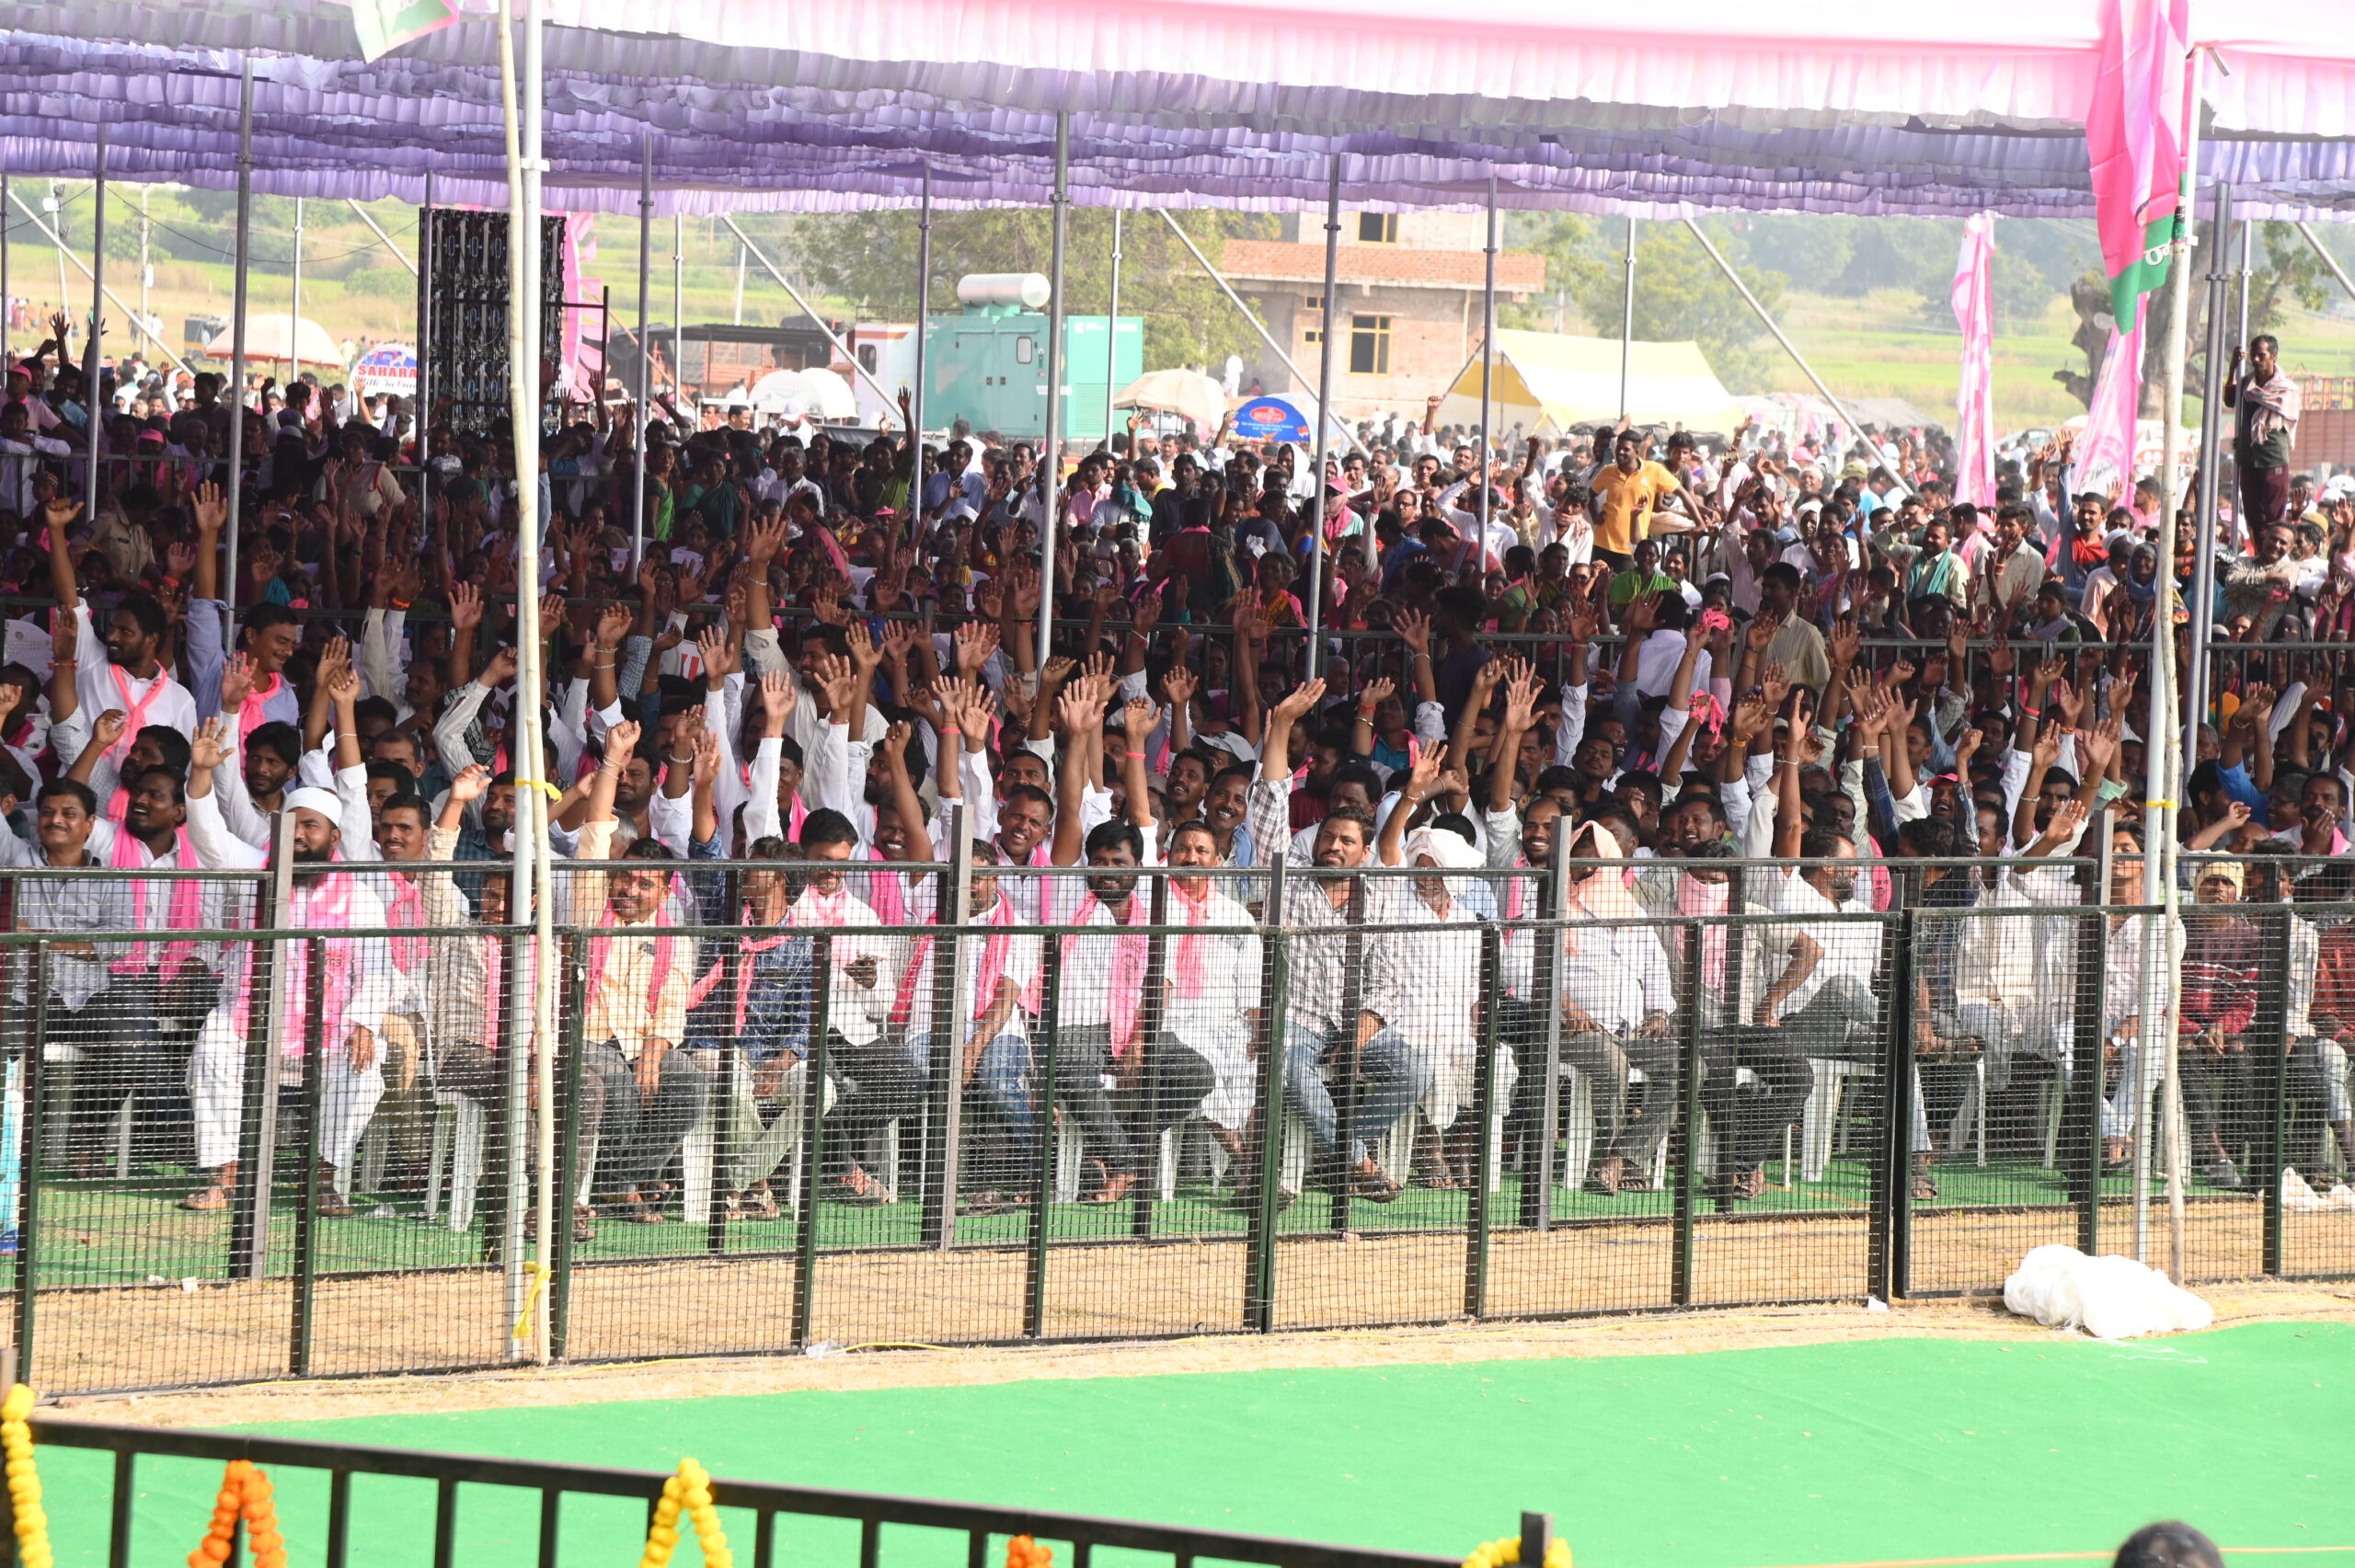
column 1408, row 311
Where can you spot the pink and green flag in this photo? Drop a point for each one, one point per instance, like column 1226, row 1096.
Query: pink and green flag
column 2134, row 131
column 385, row 25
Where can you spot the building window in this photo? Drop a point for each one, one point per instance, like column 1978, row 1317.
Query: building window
column 1377, row 228
column 1313, row 335
column 1313, row 302
column 1369, row 344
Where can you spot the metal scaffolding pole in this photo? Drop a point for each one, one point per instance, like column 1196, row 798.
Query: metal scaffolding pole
column 645, row 350
column 139, row 333
column 1627, row 319
column 529, row 1017
column 889, row 398
column 1319, row 493
column 91, row 398
column 422, row 413
column 378, row 230
column 236, row 392
column 2161, row 977
column 1488, row 364
column 1856, row 432
column 8, row 303
column 678, row 307
column 916, row 396
column 1251, row 317
column 1112, row 336
column 43, row 229
column 1051, row 449
column 2212, row 408
column 294, row 318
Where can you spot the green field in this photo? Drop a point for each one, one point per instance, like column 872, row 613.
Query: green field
column 1865, row 1452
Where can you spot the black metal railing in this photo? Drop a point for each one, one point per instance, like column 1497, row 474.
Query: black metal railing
column 767, row 1504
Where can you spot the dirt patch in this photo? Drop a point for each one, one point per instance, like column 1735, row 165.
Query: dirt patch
column 1648, row 1333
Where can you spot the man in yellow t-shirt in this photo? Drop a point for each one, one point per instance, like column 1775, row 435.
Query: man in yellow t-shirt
column 1627, row 493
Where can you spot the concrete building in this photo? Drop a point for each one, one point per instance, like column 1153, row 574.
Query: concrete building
column 1408, row 305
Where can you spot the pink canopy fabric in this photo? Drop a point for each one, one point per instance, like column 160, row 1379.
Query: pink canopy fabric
column 1846, row 106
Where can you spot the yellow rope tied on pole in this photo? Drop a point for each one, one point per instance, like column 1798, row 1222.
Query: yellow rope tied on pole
column 539, row 1272
column 1497, row 1553
column 688, row 1492
column 24, row 1479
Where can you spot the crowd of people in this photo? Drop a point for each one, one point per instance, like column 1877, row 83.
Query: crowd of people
column 1653, row 657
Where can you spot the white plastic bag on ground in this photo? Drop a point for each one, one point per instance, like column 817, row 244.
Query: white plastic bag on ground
column 2297, row 1195
column 2110, row 1297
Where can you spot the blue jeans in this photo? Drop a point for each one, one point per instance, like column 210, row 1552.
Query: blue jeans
column 1395, row 1078
column 1003, row 1079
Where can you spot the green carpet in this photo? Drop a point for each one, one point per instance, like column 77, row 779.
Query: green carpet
column 1882, row 1450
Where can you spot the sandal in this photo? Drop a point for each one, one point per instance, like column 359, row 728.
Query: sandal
column 206, row 1201
column 1114, row 1190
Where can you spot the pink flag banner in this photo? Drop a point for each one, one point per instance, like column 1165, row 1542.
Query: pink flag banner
column 2105, row 453
column 2134, row 135
column 1974, row 402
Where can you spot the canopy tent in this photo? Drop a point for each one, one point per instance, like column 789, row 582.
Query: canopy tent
column 1547, row 381
column 1846, row 106
column 280, row 337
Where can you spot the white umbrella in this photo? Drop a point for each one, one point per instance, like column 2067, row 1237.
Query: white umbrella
column 781, row 392
column 831, row 395
column 272, row 336
column 1197, row 396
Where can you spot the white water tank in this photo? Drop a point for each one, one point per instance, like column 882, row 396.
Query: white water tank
column 1025, row 291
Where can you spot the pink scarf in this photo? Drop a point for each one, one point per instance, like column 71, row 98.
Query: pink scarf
column 885, row 894
column 1129, row 955
column 253, row 711
column 324, row 903
column 407, row 908
column 1703, row 900
column 748, row 955
column 1604, row 897
column 1190, row 977
column 186, row 905
column 995, row 954
column 664, row 953
column 134, row 714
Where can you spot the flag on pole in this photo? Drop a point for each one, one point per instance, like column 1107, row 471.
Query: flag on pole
column 2134, row 132
column 1974, row 403
column 385, row 25
column 2104, row 456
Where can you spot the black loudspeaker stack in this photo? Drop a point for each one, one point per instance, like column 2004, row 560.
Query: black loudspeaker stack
column 463, row 295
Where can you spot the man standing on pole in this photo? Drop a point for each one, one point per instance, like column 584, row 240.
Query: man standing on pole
column 2265, row 406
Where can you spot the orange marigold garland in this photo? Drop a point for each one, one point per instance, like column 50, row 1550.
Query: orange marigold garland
column 23, row 1481
column 1022, row 1553
column 246, row 1493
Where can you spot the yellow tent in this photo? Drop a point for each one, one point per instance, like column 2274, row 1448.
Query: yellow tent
column 1546, row 382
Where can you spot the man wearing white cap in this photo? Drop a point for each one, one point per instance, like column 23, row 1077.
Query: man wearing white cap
column 359, row 985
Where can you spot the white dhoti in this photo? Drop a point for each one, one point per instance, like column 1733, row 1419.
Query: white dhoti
column 1227, row 1050
column 216, row 1083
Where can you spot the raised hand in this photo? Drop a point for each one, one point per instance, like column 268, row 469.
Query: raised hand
column 1137, row 718
column 777, row 694
column 208, row 746
column 973, row 643
column 864, row 654
column 1414, row 629
column 107, row 729
column 1300, row 700
column 499, row 670
column 1179, row 685
column 211, row 509
column 473, row 780
column 465, row 606
column 1763, row 627
column 719, row 655
column 236, row 683
column 613, row 626
column 621, row 744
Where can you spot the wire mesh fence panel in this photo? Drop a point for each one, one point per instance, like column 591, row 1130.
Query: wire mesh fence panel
column 1994, row 1046
column 1148, row 1201
column 1584, row 1205
column 1793, row 1150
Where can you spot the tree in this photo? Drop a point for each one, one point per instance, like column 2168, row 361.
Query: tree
column 2289, row 267
column 1680, row 293
column 870, row 258
column 1567, row 241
